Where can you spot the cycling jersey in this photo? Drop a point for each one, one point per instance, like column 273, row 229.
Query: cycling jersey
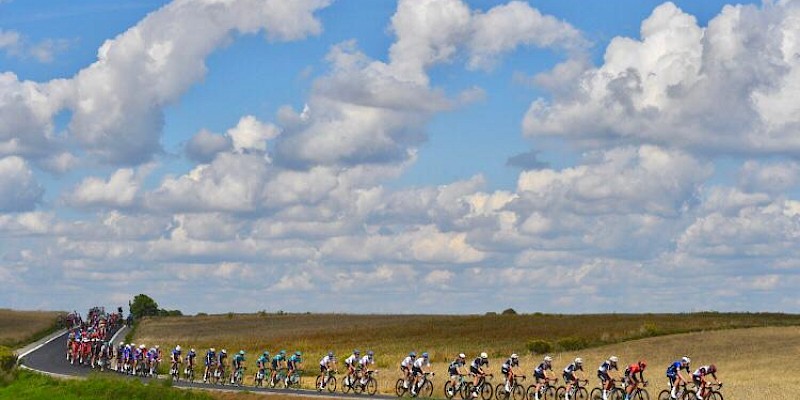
column 633, row 369
column 152, row 355
column 408, row 362
column 477, row 364
column 221, row 359
column 210, row 357
column 673, row 368
column 421, row 362
column 237, row 360
column 292, row 362
column 351, row 361
column 276, row 360
column 539, row 371
column 572, row 368
column 703, row 371
column 506, row 367
column 455, row 365
column 325, row 361
column 176, row 355
column 262, row 361
column 365, row 362
column 606, row 366
column 190, row 357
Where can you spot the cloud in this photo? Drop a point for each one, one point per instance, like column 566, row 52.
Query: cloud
column 720, row 89
column 204, row 146
column 19, row 190
column 9, row 40
column 14, row 44
column 778, row 177
column 526, row 161
column 119, row 191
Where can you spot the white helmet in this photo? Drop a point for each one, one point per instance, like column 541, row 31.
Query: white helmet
column 224, row 352
column 192, row 350
column 548, row 359
column 484, row 355
column 686, row 360
column 121, row 343
column 178, row 347
column 141, row 346
column 212, row 349
column 514, row 356
column 156, row 347
column 578, row 360
column 613, row 359
column 462, row 355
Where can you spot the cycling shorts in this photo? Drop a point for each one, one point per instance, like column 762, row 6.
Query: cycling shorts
column 474, row 370
column 604, row 377
column 323, row 368
column 632, row 377
column 274, row 364
column 452, row 371
column 504, row 371
column 569, row 377
column 416, row 371
column 698, row 380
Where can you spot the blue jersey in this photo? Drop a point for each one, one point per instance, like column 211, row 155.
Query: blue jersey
column 673, row 368
column 210, row 357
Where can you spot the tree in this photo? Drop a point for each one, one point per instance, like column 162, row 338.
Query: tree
column 143, row 306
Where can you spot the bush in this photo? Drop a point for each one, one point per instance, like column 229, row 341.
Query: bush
column 539, row 346
column 509, row 311
column 8, row 360
column 572, row 343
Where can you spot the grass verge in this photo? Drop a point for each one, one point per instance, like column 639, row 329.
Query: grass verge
column 18, row 328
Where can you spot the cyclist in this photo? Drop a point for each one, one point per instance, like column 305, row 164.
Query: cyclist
column 421, row 366
column 292, row 365
column 632, row 380
column 351, row 363
column 152, row 360
column 604, row 373
column 221, row 363
column 508, row 370
column 120, row 353
column 676, row 377
column 570, row 375
column 455, row 369
column 405, row 366
column 237, row 363
column 478, row 368
column 277, row 363
column 176, row 358
column 326, row 364
column 699, row 378
column 190, row 361
column 211, row 358
column 138, row 358
column 364, row 364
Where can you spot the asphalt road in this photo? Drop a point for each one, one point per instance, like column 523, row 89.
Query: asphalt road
column 51, row 358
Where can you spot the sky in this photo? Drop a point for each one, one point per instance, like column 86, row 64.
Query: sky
column 421, row 156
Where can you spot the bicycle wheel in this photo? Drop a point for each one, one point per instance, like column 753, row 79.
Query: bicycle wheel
column 486, row 391
column 500, row 392
column 689, row 395
column 518, row 392
column 331, row 385
column 560, row 392
column 347, row 384
column 399, row 389
column 449, row 390
column 318, row 383
column 641, row 394
column 583, row 394
column 466, row 392
column 715, row 396
column 426, row 390
column 372, row 386
column 664, row 395
column 550, row 393
column 596, row 394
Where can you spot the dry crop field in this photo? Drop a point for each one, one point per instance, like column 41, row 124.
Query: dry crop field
column 17, row 327
column 391, row 337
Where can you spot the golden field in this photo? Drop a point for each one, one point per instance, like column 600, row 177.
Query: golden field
column 391, row 337
column 19, row 327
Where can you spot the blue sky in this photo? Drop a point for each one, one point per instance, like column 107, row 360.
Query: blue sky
column 425, row 146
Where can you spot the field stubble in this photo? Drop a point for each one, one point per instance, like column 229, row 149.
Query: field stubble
column 391, row 337
column 19, row 327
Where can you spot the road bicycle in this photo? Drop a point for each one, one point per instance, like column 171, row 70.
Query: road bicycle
column 483, row 389
column 188, row 374
column 546, row 391
column 326, row 380
column 219, row 375
column 639, row 393
column 366, row 384
column 667, row 393
column 174, row 372
column 293, row 380
column 577, row 392
column 238, row 376
column 424, row 387
column 260, row 376
column 451, row 389
column 615, row 393
column 517, row 390
column 712, row 393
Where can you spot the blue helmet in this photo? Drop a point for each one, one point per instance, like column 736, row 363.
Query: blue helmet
column 424, row 355
column 370, row 353
column 412, row 354
column 330, row 354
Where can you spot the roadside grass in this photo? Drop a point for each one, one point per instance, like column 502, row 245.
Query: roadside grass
column 391, row 337
column 34, row 386
column 21, row 327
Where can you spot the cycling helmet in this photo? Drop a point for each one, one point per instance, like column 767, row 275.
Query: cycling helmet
column 141, row 346
column 514, row 356
column 462, row 355
column 297, row 353
column 356, row 352
column 424, row 355
column 178, row 348
column 266, row 354
column 156, row 347
column 484, row 355
column 191, row 350
column 330, row 354
column 614, row 359
column 212, row 349
column 283, row 352
column 548, row 359
column 224, row 352
column 412, row 354
column 579, row 361
column 370, row 353
column 712, row 368
column 686, row 360
column 643, row 364
column 121, row 343
column 241, row 352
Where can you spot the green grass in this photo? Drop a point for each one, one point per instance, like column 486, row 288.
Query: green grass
column 29, row 385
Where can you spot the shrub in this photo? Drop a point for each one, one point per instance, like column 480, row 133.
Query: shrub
column 8, row 360
column 538, row 346
column 572, row 343
column 509, row 311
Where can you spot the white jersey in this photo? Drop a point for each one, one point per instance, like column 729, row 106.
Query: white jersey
column 422, row 362
column 366, row 361
column 325, row 361
column 352, row 360
column 407, row 362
